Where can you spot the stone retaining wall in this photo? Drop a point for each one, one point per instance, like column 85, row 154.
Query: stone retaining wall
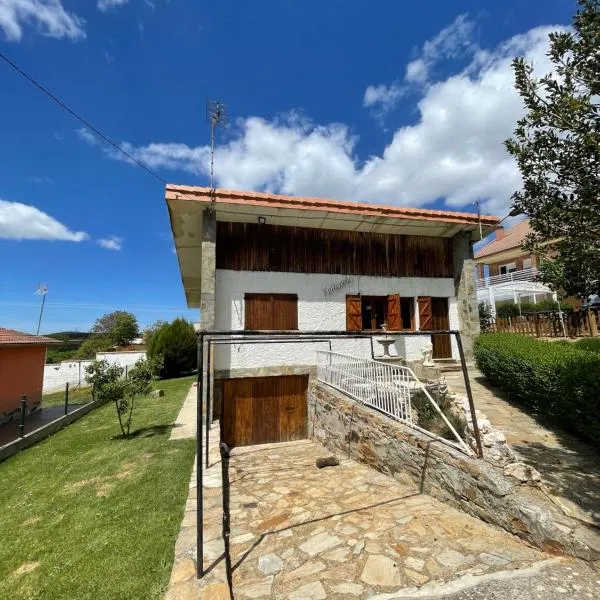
column 475, row 486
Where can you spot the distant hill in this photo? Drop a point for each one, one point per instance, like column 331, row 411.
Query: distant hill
column 71, row 340
column 73, row 337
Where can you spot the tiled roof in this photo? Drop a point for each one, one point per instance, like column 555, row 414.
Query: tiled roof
column 10, row 337
column 340, row 206
column 513, row 238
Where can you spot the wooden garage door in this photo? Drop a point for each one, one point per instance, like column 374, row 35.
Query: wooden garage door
column 261, row 410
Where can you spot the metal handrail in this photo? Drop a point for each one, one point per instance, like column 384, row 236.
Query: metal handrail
column 522, row 275
column 383, row 386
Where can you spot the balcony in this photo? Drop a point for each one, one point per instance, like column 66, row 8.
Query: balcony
column 511, row 286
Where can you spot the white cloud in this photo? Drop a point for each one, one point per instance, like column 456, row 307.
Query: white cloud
column 382, row 96
column 41, row 180
column 453, row 41
column 105, row 5
column 112, row 242
column 25, row 222
column 87, row 136
column 48, row 17
column 453, row 151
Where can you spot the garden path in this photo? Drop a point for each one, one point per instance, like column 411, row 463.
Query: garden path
column 569, row 468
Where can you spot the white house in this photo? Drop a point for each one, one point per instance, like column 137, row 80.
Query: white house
column 271, row 262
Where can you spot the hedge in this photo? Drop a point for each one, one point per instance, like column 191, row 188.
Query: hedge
column 557, row 381
column 589, row 344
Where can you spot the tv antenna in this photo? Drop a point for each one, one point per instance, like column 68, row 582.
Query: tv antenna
column 43, row 292
column 216, row 114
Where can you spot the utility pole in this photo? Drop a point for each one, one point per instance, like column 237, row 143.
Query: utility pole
column 43, row 292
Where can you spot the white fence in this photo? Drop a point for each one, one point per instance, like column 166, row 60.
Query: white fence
column 73, row 371
column 383, row 386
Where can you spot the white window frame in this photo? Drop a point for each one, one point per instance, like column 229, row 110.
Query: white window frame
column 510, row 268
column 527, row 263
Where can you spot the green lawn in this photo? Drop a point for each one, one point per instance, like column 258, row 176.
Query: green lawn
column 76, row 396
column 86, row 514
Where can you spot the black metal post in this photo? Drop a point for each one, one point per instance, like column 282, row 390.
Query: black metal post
column 207, row 420
column 224, row 449
column 67, row 398
column 199, row 491
column 22, row 415
column 465, row 371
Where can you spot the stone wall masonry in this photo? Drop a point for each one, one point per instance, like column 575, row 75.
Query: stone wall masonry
column 476, row 486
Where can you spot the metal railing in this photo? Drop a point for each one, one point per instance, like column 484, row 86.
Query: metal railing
column 507, row 278
column 385, row 387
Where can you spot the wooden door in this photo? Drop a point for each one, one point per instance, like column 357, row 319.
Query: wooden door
column 261, row 410
column 439, row 320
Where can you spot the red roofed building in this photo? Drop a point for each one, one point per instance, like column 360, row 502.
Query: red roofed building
column 22, row 358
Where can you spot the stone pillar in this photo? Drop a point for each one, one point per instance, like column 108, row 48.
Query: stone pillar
column 207, row 296
column 208, row 270
column 465, row 289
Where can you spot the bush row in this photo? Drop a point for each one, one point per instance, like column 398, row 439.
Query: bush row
column 561, row 382
column 512, row 310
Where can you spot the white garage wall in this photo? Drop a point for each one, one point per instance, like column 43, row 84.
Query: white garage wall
column 316, row 311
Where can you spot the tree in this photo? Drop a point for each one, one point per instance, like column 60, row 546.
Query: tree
column 119, row 327
column 175, row 343
column 108, row 386
column 557, row 149
column 95, row 343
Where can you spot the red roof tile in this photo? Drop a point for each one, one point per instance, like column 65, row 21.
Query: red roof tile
column 10, row 337
column 513, row 238
column 302, row 203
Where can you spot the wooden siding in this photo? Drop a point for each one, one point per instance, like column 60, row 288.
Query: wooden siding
column 261, row 410
column 255, row 247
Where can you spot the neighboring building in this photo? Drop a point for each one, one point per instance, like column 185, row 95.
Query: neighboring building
column 507, row 272
column 265, row 261
column 504, row 254
column 22, row 358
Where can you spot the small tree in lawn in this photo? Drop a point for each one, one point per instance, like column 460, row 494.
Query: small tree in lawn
column 108, row 385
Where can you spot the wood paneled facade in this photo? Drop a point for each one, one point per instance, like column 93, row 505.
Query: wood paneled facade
column 255, row 247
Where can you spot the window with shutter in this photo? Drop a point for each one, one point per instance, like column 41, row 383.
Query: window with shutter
column 270, row 312
column 353, row 313
column 425, row 313
column 393, row 312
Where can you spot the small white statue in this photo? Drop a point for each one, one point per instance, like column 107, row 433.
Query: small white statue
column 427, row 352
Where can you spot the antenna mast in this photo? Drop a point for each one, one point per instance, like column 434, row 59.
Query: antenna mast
column 216, row 114
column 41, row 291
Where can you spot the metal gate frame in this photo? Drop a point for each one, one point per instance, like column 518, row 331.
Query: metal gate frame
column 211, row 338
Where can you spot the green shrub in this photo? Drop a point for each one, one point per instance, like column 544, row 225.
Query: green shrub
column 589, row 344
column 558, row 381
column 175, row 344
column 509, row 309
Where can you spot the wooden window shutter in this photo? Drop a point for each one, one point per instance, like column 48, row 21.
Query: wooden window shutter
column 258, row 311
column 393, row 312
column 425, row 313
column 285, row 311
column 353, row 313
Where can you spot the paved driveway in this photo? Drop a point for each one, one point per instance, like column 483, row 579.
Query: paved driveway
column 299, row 532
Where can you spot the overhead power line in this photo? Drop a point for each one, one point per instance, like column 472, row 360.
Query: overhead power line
column 85, row 122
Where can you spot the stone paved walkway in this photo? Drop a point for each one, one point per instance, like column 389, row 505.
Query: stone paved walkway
column 570, row 469
column 185, row 424
column 299, row 532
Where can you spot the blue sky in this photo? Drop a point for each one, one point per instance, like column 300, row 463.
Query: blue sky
column 389, row 102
